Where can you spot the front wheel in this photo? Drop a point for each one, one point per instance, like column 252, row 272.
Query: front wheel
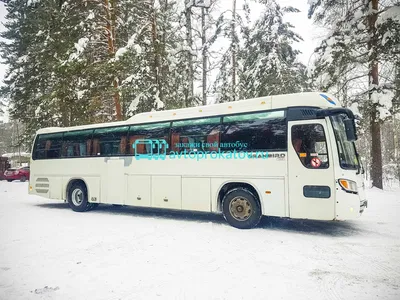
column 22, row 179
column 241, row 208
column 78, row 198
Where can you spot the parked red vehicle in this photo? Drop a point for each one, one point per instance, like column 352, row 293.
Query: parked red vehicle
column 21, row 174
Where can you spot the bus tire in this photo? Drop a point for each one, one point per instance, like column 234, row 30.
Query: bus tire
column 78, row 197
column 241, row 208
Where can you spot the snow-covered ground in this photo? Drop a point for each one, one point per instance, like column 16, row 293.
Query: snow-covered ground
column 47, row 251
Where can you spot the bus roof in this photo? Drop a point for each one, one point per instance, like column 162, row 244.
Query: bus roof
column 310, row 99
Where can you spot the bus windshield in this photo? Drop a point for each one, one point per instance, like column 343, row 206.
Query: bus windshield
column 347, row 151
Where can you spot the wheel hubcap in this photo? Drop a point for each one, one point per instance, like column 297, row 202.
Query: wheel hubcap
column 77, row 197
column 240, row 209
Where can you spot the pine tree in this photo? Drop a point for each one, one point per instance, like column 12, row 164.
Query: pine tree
column 33, row 29
column 269, row 63
column 263, row 60
column 227, row 84
column 362, row 43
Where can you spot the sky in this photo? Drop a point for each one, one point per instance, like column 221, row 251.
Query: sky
column 303, row 26
column 310, row 33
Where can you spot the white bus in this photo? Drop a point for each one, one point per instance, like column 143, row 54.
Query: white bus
column 288, row 156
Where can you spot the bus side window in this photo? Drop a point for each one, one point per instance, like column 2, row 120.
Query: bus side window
column 148, row 133
column 109, row 141
column 77, row 143
column 309, row 142
column 140, row 148
column 255, row 131
column 196, row 135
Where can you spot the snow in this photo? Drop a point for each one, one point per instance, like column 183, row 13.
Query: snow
column 25, row 154
column 80, row 94
column 31, row 2
column 120, row 52
column 384, row 97
column 38, row 110
column 47, row 251
column 91, row 16
column 130, row 45
column 354, row 107
column 135, row 103
column 391, row 13
column 80, row 47
column 158, row 103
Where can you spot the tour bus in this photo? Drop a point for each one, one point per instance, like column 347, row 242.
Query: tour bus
column 289, row 156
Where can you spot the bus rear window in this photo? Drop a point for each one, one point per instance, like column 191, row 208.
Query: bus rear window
column 48, row 146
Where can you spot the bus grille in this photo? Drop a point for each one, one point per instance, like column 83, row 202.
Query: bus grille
column 42, row 185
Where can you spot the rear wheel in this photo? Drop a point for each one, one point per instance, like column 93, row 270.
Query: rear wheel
column 241, row 208
column 78, row 198
column 22, row 179
column 9, row 180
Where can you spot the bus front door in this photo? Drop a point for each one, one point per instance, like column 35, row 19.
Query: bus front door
column 311, row 187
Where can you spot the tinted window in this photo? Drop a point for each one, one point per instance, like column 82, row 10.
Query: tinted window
column 110, row 141
column 255, row 131
column 196, row 135
column 139, row 136
column 347, row 151
column 309, row 142
column 48, row 146
column 77, row 143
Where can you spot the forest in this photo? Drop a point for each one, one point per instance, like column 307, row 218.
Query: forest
column 74, row 62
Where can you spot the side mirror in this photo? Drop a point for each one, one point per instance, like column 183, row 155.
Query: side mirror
column 350, row 130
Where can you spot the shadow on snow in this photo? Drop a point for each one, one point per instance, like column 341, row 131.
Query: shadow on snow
column 329, row 228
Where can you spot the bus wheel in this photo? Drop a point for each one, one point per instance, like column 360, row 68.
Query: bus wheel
column 78, row 199
column 241, row 208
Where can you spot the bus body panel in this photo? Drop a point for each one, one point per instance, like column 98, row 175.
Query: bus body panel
column 138, row 190
column 196, row 183
column 196, row 193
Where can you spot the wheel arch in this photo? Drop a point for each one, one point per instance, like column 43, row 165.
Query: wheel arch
column 232, row 184
column 74, row 180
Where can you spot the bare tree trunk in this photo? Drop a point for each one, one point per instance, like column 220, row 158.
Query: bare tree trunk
column 157, row 49
column 110, row 9
column 396, row 148
column 164, row 66
column 203, row 40
column 376, row 147
column 19, row 146
column 234, row 49
column 189, row 42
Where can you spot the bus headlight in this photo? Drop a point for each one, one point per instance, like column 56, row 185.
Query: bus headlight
column 349, row 186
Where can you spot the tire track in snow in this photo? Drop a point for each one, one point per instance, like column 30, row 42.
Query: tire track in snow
column 387, row 272
column 329, row 284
